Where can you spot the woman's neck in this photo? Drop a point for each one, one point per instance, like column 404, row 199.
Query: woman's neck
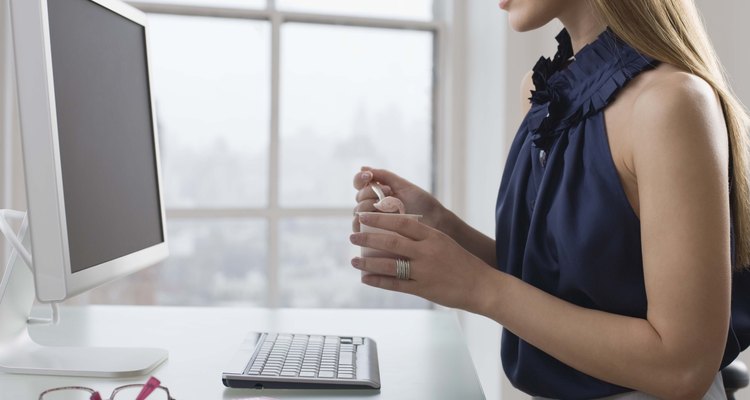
column 582, row 24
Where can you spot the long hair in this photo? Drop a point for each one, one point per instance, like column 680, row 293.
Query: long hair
column 672, row 31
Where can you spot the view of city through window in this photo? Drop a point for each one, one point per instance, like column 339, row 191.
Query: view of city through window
column 253, row 223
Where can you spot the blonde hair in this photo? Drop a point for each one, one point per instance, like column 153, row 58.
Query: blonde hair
column 672, row 31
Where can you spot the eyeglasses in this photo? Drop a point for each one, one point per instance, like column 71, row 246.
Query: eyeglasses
column 151, row 390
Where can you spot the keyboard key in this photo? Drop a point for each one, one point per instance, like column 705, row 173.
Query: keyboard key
column 346, row 358
column 307, row 374
column 326, row 374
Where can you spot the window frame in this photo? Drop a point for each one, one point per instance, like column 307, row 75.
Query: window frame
column 273, row 213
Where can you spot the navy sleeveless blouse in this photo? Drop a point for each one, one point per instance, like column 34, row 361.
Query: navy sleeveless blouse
column 564, row 223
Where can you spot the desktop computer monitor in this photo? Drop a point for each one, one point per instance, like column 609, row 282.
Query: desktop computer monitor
column 89, row 143
column 91, row 162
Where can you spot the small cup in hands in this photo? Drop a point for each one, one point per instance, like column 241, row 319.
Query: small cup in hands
column 370, row 252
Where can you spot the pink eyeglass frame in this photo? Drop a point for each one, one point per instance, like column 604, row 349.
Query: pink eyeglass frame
column 148, row 388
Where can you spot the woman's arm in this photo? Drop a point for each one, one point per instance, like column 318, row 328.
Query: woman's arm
column 681, row 160
column 477, row 243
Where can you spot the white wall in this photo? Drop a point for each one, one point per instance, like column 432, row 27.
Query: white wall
column 727, row 25
column 485, row 154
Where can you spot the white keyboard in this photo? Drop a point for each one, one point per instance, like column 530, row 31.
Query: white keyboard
column 289, row 361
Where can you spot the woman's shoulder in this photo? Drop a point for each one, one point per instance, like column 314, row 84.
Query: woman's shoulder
column 675, row 114
column 664, row 113
column 669, row 96
column 666, row 90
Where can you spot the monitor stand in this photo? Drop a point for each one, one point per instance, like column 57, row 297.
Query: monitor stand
column 20, row 354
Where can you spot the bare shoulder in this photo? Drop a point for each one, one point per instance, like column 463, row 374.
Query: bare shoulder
column 669, row 104
column 670, row 96
column 675, row 117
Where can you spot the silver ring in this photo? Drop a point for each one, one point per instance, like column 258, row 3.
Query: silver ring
column 403, row 269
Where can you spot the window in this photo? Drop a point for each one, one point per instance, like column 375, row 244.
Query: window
column 407, row 9
column 265, row 112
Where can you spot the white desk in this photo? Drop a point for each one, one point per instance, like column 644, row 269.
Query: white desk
column 422, row 353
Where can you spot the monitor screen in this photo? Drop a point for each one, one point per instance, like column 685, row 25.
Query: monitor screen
column 105, row 130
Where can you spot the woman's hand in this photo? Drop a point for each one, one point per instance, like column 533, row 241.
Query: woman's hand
column 440, row 269
column 416, row 200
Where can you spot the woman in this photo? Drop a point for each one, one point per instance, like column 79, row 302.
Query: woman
column 622, row 216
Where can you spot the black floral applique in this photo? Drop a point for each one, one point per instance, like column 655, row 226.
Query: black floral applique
column 548, row 102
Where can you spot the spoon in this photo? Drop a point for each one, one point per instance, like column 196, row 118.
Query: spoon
column 388, row 204
column 378, row 191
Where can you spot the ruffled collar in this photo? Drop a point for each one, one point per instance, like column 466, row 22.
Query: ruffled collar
column 569, row 89
column 544, row 69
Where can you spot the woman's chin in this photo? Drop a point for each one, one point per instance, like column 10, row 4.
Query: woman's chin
column 521, row 24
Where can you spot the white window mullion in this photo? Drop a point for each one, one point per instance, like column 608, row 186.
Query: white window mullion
column 275, row 160
column 437, row 108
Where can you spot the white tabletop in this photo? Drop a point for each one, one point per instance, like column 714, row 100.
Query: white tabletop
column 422, row 353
